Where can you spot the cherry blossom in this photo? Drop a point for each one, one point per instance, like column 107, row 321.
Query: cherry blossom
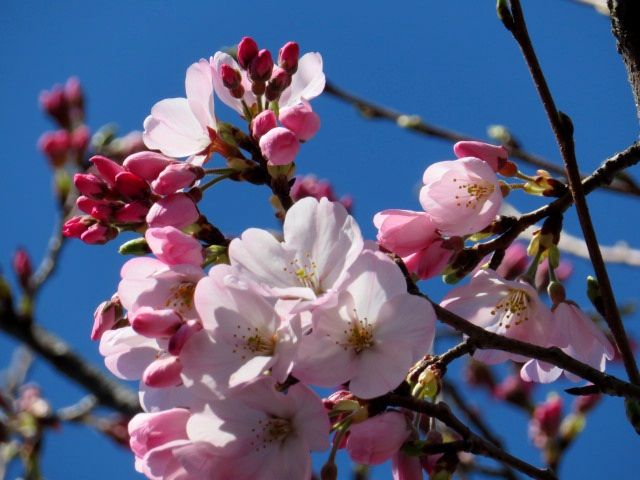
column 509, row 308
column 461, row 196
column 321, row 241
column 377, row 439
column 372, row 336
column 183, row 127
column 262, row 434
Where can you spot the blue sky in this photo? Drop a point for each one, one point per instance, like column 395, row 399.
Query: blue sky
column 450, row 62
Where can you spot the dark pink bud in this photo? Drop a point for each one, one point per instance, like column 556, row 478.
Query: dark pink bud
column 80, row 138
column 176, row 177
column 131, row 185
column 22, row 267
column 301, row 120
column 288, row 57
column 279, row 81
column 262, row 123
column 279, row 146
column 230, row 76
column 184, row 333
column 261, row 66
column 98, row 209
column 55, row 145
column 90, row 185
column 163, row 372
column 73, row 92
column 106, row 316
column 134, row 212
column 175, row 210
column 147, row 165
column 108, row 168
column 247, row 51
column 155, row 323
column 585, row 403
column 55, row 103
column 76, row 226
column 99, row 233
column 548, row 415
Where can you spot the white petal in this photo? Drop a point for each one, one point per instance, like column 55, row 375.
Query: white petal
column 308, row 82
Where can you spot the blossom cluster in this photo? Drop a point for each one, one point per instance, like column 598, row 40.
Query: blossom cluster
column 230, row 339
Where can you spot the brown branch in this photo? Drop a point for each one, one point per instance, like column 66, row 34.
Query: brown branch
column 623, row 184
column 470, row 441
column 563, row 131
column 625, row 18
column 60, row 355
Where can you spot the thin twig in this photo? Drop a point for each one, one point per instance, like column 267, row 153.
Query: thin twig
column 623, row 184
column 470, row 441
column 54, row 350
column 563, row 131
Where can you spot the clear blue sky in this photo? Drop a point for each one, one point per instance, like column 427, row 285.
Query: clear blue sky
column 451, row 62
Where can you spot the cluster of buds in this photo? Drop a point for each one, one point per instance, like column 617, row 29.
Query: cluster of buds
column 65, row 105
column 143, row 191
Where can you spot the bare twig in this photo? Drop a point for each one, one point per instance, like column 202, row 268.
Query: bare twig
column 470, row 441
column 54, row 350
column 623, row 184
column 563, row 131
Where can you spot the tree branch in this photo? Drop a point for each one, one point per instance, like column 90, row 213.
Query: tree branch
column 470, row 441
column 563, row 131
column 623, row 184
column 54, row 350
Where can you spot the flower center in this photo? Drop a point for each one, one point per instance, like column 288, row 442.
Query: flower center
column 181, row 297
column 470, row 195
column 359, row 336
column 305, row 273
column 254, row 343
column 270, row 431
column 513, row 309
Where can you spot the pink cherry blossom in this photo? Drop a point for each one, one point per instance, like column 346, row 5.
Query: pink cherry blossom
column 414, row 237
column 494, row 155
column 175, row 177
column 321, row 241
column 152, row 438
column 301, row 120
column 147, row 165
column 262, row 434
column 180, row 127
column 509, row 308
column 147, row 282
column 105, row 317
column 243, row 335
column 461, row 196
column 372, row 336
column 262, row 123
column 173, row 247
column 377, row 439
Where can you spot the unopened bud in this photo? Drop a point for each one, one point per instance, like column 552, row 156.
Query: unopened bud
column 230, row 77
column 508, row 169
column 22, row 267
column 556, row 293
column 261, row 66
column 247, row 51
column 594, row 294
column 279, row 81
column 288, row 57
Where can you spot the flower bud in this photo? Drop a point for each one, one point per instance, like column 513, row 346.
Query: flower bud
column 90, row 185
column 494, row 155
column 176, row 177
column 279, row 146
column 22, row 267
column 279, row 81
column 261, row 66
column 301, row 120
column 98, row 209
column 55, row 103
column 155, row 323
column 247, row 51
column 175, row 210
column 73, row 92
column 99, row 233
column 180, row 337
column 147, row 165
column 106, row 316
column 80, row 138
column 230, row 76
column 133, row 212
column 55, row 145
column 262, row 123
column 288, row 57
column 163, row 372
column 131, row 186
column 76, row 226
column 136, row 246
column 107, row 168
